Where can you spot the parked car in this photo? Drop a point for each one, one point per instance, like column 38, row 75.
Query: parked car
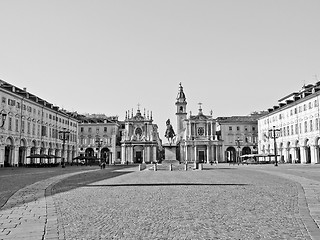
column 249, row 161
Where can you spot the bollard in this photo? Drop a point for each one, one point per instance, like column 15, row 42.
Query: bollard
column 195, row 165
column 155, row 167
column 170, row 167
column 186, row 167
column 139, row 167
column 200, row 166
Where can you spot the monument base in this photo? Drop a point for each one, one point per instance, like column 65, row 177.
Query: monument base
column 170, row 154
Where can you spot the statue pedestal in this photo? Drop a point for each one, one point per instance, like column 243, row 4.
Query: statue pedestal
column 170, row 154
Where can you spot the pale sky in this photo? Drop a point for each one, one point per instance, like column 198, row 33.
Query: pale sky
column 100, row 56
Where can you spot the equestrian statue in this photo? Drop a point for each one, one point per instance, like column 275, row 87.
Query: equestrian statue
column 169, row 132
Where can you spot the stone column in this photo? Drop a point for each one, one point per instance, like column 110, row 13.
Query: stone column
column 149, row 154
column 2, row 150
column 28, row 153
column 208, row 153
column 131, row 154
column 195, row 153
column 314, row 154
column 154, row 153
column 123, row 154
column 186, row 152
column 303, row 155
column 15, row 157
column 294, row 155
column 143, row 154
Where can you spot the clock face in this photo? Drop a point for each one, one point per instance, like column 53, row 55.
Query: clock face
column 138, row 131
column 200, row 131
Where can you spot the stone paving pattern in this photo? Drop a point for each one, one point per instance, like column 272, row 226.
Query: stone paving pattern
column 220, row 202
column 30, row 213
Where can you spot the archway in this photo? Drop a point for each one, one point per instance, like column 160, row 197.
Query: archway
column 231, row 154
column 89, row 152
column 22, row 153
column 104, row 155
column 8, row 152
column 246, row 150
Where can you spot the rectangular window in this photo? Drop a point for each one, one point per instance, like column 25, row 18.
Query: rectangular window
column 81, row 129
column 297, row 129
column 238, row 128
column 17, row 125
column 105, row 129
column 288, row 131
column 300, row 128
column 292, row 130
column 310, row 105
column 230, row 128
column 89, row 129
column 311, row 126
column 317, row 123
column 10, row 124
column 284, row 131
column 38, row 131
column 44, row 131
column 33, row 128
column 28, row 127
column 305, row 126
column 4, row 100
column 22, row 126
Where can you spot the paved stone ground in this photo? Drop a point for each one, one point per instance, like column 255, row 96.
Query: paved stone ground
column 224, row 202
column 236, row 202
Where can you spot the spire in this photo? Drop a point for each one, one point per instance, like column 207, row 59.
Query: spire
column 181, row 96
column 200, row 108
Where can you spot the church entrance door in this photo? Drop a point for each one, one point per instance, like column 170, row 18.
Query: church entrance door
column 138, row 156
column 201, row 157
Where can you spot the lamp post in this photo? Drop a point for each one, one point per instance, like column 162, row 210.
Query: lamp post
column 238, row 141
column 65, row 134
column 99, row 144
column 273, row 132
column 3, row 118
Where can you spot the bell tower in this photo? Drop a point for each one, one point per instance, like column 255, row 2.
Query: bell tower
column 181, row 112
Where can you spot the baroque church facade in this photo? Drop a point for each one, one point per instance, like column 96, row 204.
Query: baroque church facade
column 196, row 136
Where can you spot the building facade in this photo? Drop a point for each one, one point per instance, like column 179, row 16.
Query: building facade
column 196, row 134
column 140, row 142
column 295, row 120
column 31, row 125
column 239, row 135
column 99, row 137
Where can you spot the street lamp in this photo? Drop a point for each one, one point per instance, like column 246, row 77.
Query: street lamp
column 99, row 144
column 3, row 118
column 65, row 135
column 273, row 132
column 238, row 141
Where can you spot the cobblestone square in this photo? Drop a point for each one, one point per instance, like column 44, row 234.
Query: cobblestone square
column 219, row 202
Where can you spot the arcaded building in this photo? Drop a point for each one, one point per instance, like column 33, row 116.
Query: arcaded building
column 99, row 137
column 31, row 125
column 239, row 135
column 295, row 120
